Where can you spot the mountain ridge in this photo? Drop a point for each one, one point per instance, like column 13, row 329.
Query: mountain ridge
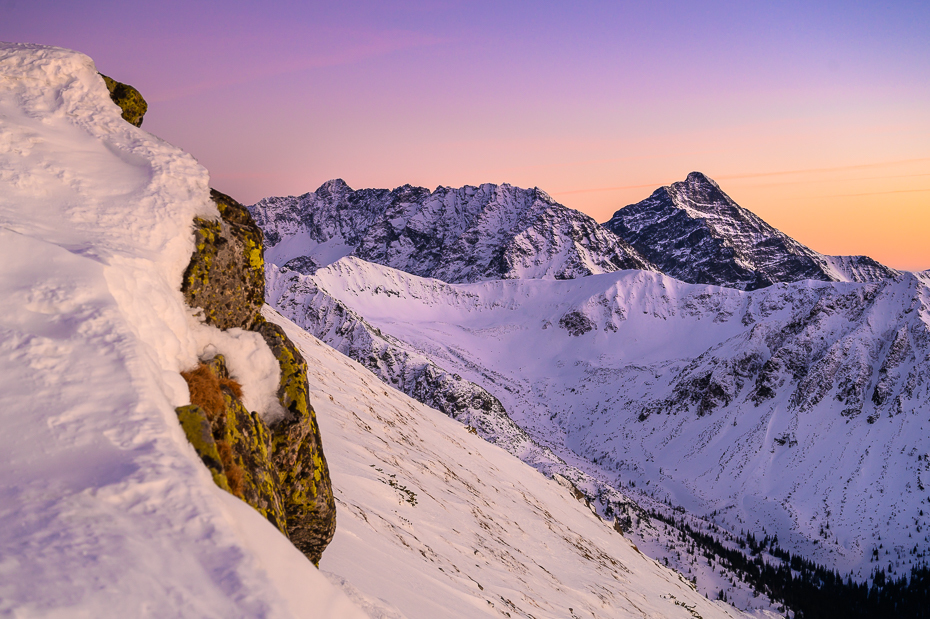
column 455, row 235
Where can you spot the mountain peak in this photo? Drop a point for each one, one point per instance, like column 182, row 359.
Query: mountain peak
column 699, row 178
column 696, row 233
column 334, row 187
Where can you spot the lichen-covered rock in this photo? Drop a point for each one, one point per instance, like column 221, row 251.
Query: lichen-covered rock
column 197, row 428
column 281, row 470
column 128, row 99
column 297, row 453
column 226, row 276
column 247, row 461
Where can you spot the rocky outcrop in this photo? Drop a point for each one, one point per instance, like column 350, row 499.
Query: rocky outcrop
column 128, row 99
column 241, row 441
column 278, row 468
column 226, row 277
column 297, row 453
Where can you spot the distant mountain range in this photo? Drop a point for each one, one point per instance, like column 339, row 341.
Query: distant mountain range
column 456, row 235
column 690, row 230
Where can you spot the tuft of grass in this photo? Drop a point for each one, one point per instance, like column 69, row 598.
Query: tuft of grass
column 206, row 390
column 233, row 386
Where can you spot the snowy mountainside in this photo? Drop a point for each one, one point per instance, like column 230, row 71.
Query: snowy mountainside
column 799, row 410
column 105, row 509
column 456, row 235
column 696, row 233
column 434, row 521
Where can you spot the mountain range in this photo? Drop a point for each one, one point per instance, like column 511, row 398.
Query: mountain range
column 732, row 375
column 162, row 455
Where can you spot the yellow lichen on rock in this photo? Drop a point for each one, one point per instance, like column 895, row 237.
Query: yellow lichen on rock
column 128, row 99
column 279, row 470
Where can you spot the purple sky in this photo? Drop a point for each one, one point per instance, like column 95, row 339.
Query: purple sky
column 816, row 116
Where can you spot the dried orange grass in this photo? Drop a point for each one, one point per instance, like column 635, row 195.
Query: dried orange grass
column 206, row 389
column 234, row 473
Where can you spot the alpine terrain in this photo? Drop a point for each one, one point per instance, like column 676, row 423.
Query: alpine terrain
column 162, row 456
column 456, row 235
column 694, row 232
column 761, row 427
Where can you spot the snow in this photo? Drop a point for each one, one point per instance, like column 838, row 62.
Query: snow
column 105, row 509
column 436, row 522
column 839, row 480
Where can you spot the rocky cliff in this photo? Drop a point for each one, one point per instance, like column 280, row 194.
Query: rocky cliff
column 128, row 99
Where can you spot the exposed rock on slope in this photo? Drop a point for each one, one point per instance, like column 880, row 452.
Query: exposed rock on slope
column 233, row 442
column 226, row 276
column 456, row 235
column 128, row 99
column 280, row 470
column 695, row 232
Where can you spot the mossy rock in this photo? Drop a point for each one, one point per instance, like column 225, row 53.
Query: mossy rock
column 128, row 99
column 197, row 428
column 226, row 274
column 297, row 453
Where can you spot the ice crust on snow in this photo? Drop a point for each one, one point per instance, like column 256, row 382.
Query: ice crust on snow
column 105, row 509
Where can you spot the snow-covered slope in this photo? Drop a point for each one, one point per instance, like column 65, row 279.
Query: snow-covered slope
column 799, row 410
column 435, row 522
column 456, row 235
column 105, row 509
column 696, row 233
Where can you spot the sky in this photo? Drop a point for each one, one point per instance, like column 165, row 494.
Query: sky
column 814, row 115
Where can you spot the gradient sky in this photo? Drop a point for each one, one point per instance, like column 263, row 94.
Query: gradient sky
column 814, row 115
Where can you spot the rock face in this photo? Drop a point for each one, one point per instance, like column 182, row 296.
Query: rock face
column 241, row 441
column 456, row 235
column 696, row 233
column 226, row 276
column 128, row 99
column 297, row 453
column 280, row 470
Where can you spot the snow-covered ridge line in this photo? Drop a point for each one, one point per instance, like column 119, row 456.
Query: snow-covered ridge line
column 106, row 509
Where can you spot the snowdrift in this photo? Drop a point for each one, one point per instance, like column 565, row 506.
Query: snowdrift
column 105, row 509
